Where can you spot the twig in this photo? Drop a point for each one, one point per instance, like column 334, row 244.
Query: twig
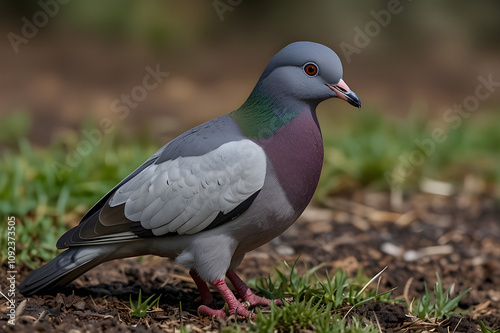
column 406, row 292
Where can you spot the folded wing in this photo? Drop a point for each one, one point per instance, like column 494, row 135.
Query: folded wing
column 184, row 195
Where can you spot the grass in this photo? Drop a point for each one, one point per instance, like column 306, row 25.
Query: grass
column 317, row 304
column 47, row 202
column 337, row 290
column 486, row 329
column 326, row 304
column 141, row 309
column 441, row 306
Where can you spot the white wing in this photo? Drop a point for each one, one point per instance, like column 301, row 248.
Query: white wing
column 186, row 194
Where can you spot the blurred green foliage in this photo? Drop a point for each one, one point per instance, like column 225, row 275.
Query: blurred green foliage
column 163, row 24
column 367, row 149
column 45, row 202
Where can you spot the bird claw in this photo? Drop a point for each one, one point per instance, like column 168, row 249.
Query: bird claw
column 239, row 311
column 205, row 310
column 252, row 300
column 246, row 294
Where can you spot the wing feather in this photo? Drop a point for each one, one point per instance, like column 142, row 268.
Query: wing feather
column 186, row 194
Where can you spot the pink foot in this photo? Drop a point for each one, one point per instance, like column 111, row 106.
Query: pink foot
column 205, row 297
column 247, row 295
column 233, row 306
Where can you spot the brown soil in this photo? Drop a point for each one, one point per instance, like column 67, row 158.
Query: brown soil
column 457, row 237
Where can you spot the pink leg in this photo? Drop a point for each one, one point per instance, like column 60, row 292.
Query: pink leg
column 246, row 294
column 234, row 306
column 205, row 294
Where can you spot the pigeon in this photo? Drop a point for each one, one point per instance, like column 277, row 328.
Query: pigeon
column 217, row 191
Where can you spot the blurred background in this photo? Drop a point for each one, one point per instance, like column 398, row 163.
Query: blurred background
column 87, row 53
column 411, row 181
column 65, row 67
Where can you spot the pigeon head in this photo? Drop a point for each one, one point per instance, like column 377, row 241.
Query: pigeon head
column 296, row 80
column 308, row 72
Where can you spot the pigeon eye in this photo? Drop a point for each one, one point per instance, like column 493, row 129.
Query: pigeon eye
column 311, row 69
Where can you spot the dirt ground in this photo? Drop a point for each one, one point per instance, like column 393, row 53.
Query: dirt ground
column 457, row 237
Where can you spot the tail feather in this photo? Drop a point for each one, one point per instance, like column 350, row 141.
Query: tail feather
column 63, row 269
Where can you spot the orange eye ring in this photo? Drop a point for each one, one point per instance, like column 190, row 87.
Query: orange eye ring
column 311, row 69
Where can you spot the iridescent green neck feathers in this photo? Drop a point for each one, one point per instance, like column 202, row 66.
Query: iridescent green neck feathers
column 260, row 117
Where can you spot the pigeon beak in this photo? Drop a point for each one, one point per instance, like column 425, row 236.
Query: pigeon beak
column 344, row 93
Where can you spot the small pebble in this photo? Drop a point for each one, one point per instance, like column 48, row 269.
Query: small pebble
column 285, row 250
column 391, row 249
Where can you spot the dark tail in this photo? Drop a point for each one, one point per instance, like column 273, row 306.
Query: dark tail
column 63, row 269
